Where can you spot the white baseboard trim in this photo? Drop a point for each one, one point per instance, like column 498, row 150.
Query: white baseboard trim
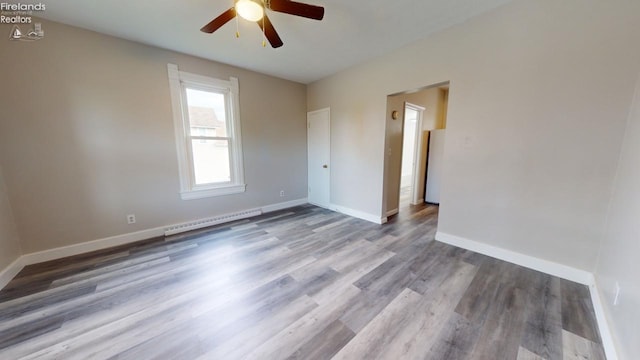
column 603, row 324
column 89, row 246
column 8, row 273
column 392, row 212
column 548, row 267
column 14, row 268
column 545, row 266
column 284, row 205
column 100, row 244
column 358, row 214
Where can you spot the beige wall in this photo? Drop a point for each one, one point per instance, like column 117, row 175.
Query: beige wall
column 618, row 261
column 86, row 137
column 432, row 100
column 9, row 240
column 532, row 140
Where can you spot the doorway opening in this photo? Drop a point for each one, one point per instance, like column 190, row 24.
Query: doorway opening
column 414, row 146
column 411, row 143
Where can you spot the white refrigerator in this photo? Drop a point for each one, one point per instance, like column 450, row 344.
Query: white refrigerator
column 434, row 166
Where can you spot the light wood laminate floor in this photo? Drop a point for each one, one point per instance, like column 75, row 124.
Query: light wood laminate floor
column 302, row 283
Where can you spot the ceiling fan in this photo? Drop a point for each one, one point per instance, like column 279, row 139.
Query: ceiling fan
column 255, row 10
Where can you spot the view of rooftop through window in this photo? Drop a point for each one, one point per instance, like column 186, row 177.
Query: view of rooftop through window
column 209, row 140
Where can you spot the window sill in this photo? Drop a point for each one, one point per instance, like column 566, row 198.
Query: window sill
column 217, row 191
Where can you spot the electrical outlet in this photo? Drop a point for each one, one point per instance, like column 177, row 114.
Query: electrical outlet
column 131, row 219
column 281, row 193
column 616, row 298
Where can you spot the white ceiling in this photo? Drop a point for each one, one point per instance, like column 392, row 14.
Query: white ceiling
column 352, row 31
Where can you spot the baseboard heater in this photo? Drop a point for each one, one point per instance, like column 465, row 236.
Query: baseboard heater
column 215, row 220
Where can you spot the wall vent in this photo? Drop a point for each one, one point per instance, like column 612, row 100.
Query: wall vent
column 198, row 224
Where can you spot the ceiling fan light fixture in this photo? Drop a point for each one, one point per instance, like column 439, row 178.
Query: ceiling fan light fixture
column 249, row 10
column 255, row 11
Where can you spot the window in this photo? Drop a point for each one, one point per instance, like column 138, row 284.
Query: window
column 207, row 126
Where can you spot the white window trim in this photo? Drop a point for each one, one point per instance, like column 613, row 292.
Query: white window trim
column 188, row 189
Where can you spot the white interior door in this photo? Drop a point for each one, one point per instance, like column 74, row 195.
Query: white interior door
column 319, row 156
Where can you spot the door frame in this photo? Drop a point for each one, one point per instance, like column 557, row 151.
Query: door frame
column 417, row 149
column 328, row 111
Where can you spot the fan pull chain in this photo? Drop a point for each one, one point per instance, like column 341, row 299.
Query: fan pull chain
column 264, row 42
column 237, row 29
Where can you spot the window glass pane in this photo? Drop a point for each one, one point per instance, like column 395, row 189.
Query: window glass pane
column 211, row 161
column 207, row 113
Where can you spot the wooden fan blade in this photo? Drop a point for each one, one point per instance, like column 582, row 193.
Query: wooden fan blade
column 217, row 23
column 270, row 32
column 296, row 8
